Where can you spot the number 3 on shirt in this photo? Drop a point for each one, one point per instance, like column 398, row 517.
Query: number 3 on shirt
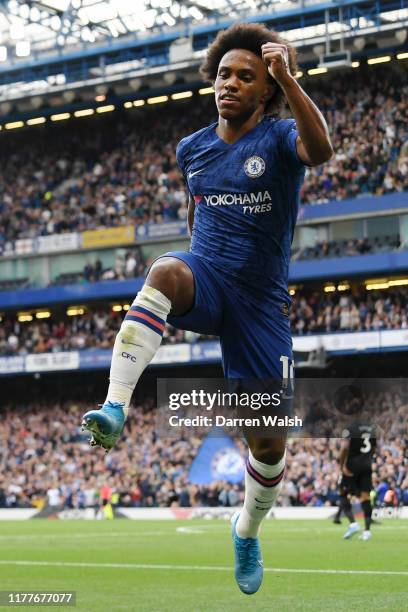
column 366, row 446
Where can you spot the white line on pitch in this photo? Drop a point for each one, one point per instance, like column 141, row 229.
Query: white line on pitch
column 95, row 534
column 209, row 568
column 199, row 530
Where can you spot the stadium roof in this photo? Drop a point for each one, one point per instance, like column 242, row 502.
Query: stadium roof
column 41, row 25
column 34, row 28
column 55, row 47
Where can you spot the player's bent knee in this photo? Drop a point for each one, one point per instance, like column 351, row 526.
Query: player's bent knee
column 175, row 280
column 269, row 451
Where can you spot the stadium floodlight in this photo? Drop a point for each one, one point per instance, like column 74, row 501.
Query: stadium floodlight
column 181, row 94
column 24, row 11
column 128, row 104
column 398, row 282
column 117, row 308
column 105, row 109
column 401, row 56
column 139, row 103
column 24, row 317
column 355, row 64
column 329, row 288
column 3, row 53
column 16, row 31
column 195, row 13
column 206, row 90
column 383, row 283
column 87, row 35
column 148, row 18
column 23, row 48
column 84, row 112
column 157, row 99
column 42, row 314
column 343, row 287
column 379, row 60
column 60, row 116
column 126, row 306
column 314, row 71
column 74, row 311
column 13, row 125
column 55, row 23
column 168, row 19
column 375, row 286
column 36, row 121
column 35, row 14
column 298, row 74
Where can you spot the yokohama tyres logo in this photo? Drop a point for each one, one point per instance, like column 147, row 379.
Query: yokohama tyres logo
column 254, row 202
column 230, row 199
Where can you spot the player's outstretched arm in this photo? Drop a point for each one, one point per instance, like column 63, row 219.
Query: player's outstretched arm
column 313, row 144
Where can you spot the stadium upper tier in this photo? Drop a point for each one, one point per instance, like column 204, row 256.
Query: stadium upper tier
column 121, row 170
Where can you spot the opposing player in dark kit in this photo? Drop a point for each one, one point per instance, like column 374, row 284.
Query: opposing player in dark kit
column 356, row 460
column 244, row 175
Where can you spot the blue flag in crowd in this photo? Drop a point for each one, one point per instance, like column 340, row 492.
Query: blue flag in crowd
column 217, row 459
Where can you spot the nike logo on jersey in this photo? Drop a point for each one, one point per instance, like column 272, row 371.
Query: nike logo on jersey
column 191, row 174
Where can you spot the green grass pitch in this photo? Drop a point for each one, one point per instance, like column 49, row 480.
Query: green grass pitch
column 177, row 566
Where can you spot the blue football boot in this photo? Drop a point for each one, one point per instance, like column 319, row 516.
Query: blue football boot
column 353, row 528
column 248, row 561
column 105, row 424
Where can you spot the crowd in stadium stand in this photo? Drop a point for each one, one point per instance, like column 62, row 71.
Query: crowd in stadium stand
column 341, row 312
column 45, row 460
column 368, row 126
column 121, row 170
column 347, row 248
column 313, row 313
column 129, row 265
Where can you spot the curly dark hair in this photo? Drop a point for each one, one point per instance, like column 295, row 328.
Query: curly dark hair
column 249, row 36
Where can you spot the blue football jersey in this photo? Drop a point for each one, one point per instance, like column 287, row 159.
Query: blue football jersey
column 246, row 198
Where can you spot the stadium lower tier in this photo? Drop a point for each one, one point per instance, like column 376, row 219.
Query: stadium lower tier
column 46, row 460
column 313, row 311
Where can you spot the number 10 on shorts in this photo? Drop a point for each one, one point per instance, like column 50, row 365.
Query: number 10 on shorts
column 288, row 374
